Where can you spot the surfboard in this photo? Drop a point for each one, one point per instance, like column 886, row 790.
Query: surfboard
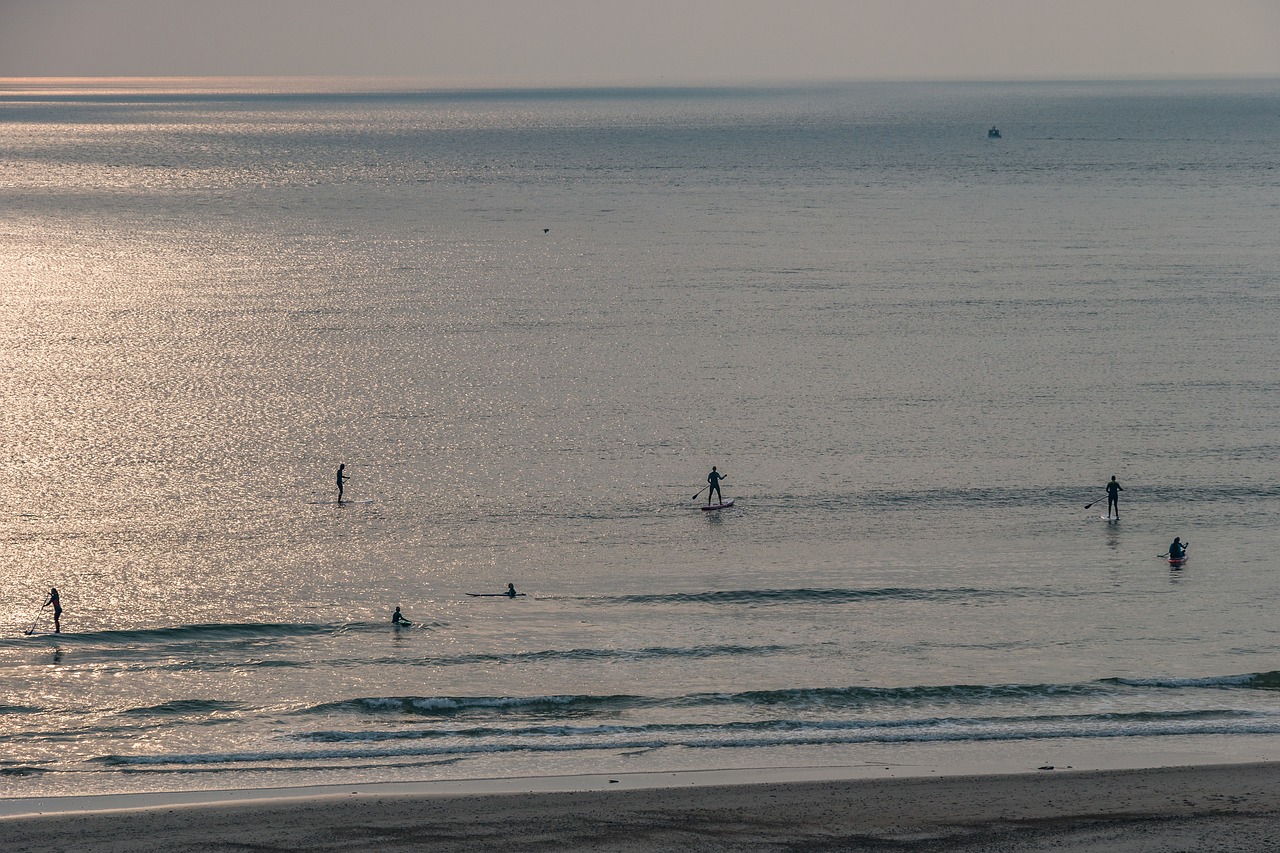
column 724, row 505
column 495, row 595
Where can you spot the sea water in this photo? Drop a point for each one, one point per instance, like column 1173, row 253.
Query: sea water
column 529, row 322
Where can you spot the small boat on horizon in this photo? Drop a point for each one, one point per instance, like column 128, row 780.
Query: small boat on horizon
column 993, row 133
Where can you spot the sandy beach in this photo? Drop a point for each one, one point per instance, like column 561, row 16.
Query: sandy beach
column 1207, row 808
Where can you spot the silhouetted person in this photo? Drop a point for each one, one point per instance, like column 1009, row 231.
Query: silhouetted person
column 714, row 479
column 1113, row 498
column 511, row 590
column 397, row 619
column 1177, row 550
column 342, row 478
column 57, row 609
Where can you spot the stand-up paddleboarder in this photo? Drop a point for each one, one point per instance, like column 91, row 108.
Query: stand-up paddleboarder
column 342, row 478
column 713, row 479
column 57, row 609
column 1113, row 498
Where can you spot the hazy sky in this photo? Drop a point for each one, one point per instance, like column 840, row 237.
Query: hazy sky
column 672, row 41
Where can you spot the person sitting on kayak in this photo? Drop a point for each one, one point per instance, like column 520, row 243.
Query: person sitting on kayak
column 511, row 590
column 1178, row 549
column 714, row 479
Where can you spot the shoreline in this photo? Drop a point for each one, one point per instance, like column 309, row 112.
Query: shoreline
column 902, row 761
column 1236, row 806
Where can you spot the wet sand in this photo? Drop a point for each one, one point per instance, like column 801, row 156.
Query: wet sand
column 1206, row 808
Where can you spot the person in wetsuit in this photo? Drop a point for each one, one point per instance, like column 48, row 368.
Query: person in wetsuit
column 342, row 478
column 511, row 590
column 1177, row 549
column 1113, row 498
column 57, row 609
column 397, row 619
column 714, row 479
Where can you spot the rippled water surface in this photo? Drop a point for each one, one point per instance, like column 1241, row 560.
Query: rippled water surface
column 529, row 323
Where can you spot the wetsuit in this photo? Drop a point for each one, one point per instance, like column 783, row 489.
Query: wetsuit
column 1113, row 498
column 714, row 479
column 57, row 610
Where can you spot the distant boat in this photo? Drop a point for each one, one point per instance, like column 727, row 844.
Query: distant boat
column 993, row 133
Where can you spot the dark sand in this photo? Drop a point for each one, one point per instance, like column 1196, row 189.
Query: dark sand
column 1215, row 808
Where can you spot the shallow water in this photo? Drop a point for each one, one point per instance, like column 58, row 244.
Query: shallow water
column 917, row 354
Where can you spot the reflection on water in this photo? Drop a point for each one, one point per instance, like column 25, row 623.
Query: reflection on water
column 528, row 323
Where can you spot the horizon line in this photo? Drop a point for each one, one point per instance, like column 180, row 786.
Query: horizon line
column 386, row 84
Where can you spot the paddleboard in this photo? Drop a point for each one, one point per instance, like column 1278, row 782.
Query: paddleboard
column 1177, row 561
column 495, row 595
column 724, row 505
column 1109, row 517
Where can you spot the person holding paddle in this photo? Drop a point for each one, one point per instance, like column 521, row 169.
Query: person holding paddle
column 1113, row 498
column 57, row 609
column 713, row 480
column 342, row 478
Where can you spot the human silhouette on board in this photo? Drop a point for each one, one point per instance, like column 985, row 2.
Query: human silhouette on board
column 1113, row 498
column 713, row 479
column 57, row 609
column 342, row 478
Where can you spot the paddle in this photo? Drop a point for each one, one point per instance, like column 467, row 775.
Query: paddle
column 1098, row 501
column 34, row 622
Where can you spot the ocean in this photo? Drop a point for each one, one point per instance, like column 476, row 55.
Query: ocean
column 529, row 322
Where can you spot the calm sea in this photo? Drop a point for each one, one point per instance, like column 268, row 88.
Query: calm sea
column 529, row 322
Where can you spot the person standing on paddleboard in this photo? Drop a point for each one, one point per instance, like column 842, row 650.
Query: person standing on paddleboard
column 1113, row 498
column 714, row 479
column 342, row 478
column 57, row 609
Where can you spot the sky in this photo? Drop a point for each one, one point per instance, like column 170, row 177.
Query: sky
column 641, row 41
